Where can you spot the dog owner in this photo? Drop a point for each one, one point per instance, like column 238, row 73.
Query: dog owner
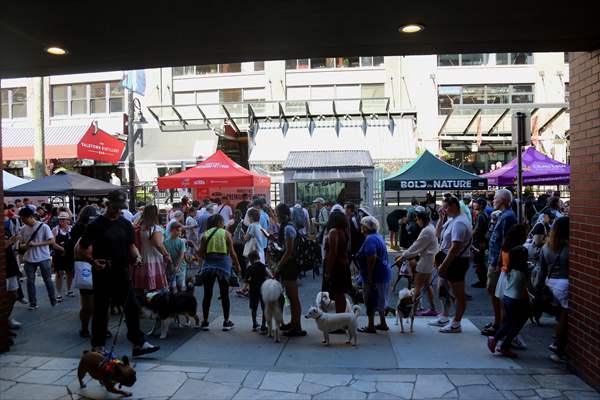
column 217, row 252
column 86, row 296
column 424, row 248
column 555, row 265
column 63, row 255
column 113, row 246
column 288, row 270
column 337, row 279
column 456, row 238
column 375, row 274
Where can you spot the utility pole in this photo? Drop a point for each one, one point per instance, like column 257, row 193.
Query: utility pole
column 39, row 159
column 521, row 141
column 130, row 148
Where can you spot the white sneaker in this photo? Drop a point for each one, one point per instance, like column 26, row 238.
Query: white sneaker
column 451, row 328
column 439, row 322
column 519, row 343
column 14, row 324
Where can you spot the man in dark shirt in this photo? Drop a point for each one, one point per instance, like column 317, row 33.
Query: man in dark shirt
column 480, row 231
column 112, row 239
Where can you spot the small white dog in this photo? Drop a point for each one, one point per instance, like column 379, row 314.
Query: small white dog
column 329, row 322
column 405, row 308
column 327, row 305
column 271, row 290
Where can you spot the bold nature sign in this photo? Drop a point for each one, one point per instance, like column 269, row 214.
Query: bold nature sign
column 100, row 146
column 437, row 184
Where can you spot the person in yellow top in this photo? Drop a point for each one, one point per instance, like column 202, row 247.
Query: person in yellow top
column 216, row 254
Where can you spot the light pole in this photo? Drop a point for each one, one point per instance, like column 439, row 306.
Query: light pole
column 133, row 106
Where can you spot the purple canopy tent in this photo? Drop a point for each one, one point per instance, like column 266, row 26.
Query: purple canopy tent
column 538, row 169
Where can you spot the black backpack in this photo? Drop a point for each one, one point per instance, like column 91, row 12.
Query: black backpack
column 307, row 253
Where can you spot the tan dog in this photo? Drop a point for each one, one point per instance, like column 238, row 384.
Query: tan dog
column 107, row 373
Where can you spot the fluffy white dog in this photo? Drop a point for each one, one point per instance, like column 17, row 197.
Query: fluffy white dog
column 329, row 322
column 327, row 305
column 405, row 309
column 271, row 290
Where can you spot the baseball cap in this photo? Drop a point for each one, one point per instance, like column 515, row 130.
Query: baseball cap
column 319, row 200
column 481, row 201
column 467, row 196
column 117, row 198
column 63, row 215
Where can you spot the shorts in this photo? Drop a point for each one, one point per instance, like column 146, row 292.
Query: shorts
column 500, row 285
column 492, row 278
column 458, row 269
column 255, row 299
column 289, row 271
column 393, row 227
column 560, row 291
column 12, row 284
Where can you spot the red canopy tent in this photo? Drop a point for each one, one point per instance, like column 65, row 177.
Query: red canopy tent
column 218, row 173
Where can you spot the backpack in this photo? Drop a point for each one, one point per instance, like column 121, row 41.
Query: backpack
column 298, row 217
column 238, row 233
column 434, row 213
column 306, row 252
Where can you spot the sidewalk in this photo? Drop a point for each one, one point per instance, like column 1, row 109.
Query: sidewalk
column 31, row 378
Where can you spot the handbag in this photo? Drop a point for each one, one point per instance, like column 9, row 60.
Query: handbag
column 250, row 246
column 83, row 275
column 23, row 248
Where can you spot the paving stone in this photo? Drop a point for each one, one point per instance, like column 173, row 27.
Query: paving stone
column 254, row 394
column 195, row 375
column 579, row 395
column 478, row 392
column 364, row 386
column 226, row 376
column 311, row 388
column 548, row 393
column 530, row 398
column 34, row 362
column 69, row 380
column 400, row 389
column 464, row 380
column 508, row 395
column 193, row 389
column 43, row 376
column 386, row 377
column 431, row 386
column 341, row 393
column 144, row 366
column 28, row 391
column 281, row 381
column 382, row 396
column 61, row 363
column 12, row 359
column 524, row 393
column 4, row 384
column 562, row 382
column 453, row 394
column 95, row 391
column 328, row 379
column 181, row 368
column 158, row 384
column 13, row 372
column 253, row 379
column 513, row 382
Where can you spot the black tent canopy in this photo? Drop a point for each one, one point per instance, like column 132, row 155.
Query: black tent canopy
column 430, row 173
column 63, row 183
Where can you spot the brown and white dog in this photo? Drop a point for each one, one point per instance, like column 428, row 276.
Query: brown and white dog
column 107, row 372
column 405, row 309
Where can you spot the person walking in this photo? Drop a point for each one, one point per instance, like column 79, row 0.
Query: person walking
column 502, row 202
column 337, row 279
column 111, row 238
column 424, row 250
column 176, row 269
column 375, row 274
column 456, row 236
column 63, row 255
column 216, row 254
column 36, row 239
column 152, row 273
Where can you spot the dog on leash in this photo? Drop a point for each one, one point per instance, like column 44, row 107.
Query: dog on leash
column 271, row 292
column 325, row 304
column 405, row 309
column 108, row 372
column 164, row 307
column 329, row 322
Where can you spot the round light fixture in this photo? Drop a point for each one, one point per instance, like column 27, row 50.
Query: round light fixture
column 56, row 51
column 411, row 28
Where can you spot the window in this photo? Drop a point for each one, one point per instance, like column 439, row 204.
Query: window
column 115, row 101
column 347, row 62
column 78, row 99
column 316, row 63
column 230, row 68
column 372, row 90
column 371, row 61
column 14, row 103
column 206, row 69
column 474, row 59
column 522, row 94
column 97, row 98
column 448, row 60
column 514, row 58
column 230, row 95
column 259, row 65
column 566, row 57
column 291, row 64
column 303, row 63
column 102, row 97
column 497, row 94
column 483, row 94
column 447, row 97
column 334, row 62
column 60, row 100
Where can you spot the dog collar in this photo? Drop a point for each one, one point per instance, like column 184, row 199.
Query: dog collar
column 319, row 316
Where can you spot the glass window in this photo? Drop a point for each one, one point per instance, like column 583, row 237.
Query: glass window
column 59, row 100
column 115, row 102
column 473, row 95
column 78, row 99
column 522, row 94
column 316, row 63
column 448, row 60
column 230, row 95
column 497, row 94
column 291, row 64
column 377, row 61
column 230, row 68
column 347, row 62
column 189, row 70
column 97, row 98
column 447, row 97
column 259, row 65
column 177, row 71
column 566, row 57
column 19, row 103
column 372, row 90
column 366, row 61
column 514, row 58
column 4, row 103
column 303, row 63
column 206, row 69
column 474, row 59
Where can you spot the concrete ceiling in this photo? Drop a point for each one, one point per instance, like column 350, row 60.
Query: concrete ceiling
column 113, row 35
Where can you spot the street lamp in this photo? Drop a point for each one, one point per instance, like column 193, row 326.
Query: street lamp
column 135, row 116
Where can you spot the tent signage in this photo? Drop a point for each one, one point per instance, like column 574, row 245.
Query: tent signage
column 100, row 146
column 437, row 184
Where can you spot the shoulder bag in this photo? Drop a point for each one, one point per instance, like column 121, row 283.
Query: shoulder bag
column 23, row 247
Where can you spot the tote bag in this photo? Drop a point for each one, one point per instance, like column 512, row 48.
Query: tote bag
column 83, row 275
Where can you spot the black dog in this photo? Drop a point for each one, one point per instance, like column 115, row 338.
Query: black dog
column 164, row 306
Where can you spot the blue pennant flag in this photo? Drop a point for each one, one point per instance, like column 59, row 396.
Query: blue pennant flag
column 135, row 80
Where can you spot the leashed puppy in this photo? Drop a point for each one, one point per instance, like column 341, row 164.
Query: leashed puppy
column 325, row 304
column 164, row 307
column 329, row 322
column 108, row 372
column 271, row 291
column 405, row 308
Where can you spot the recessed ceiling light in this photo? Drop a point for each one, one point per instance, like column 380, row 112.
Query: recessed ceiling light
column 56, row 51
column 411, row 28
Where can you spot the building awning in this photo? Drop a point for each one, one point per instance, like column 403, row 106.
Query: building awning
column 327, row 159
column 327, row 175
column 60, row 142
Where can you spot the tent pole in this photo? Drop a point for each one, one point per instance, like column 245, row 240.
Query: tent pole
column 520, row 140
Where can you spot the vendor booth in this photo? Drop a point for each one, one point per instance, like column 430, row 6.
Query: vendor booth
column 218, row 176
column 9, row 180
column 538, row 169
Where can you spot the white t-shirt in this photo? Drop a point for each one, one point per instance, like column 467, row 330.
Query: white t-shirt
column 457, row 229
column 225, row 212
column 127, row 215
column 37, row 253
column 191, row 233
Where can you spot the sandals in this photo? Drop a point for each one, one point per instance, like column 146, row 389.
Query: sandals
column 365, row 329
